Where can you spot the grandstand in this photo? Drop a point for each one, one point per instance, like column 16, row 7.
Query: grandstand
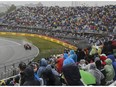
column 87, row 32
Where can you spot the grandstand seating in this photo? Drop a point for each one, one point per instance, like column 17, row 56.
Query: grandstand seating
column 66, row 23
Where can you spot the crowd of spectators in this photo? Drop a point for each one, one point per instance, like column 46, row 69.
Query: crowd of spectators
column 64, row 18
column 66, row 68
column 70, row 37
column 74, row 19
column 99, row 59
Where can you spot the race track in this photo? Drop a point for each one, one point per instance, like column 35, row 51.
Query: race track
column 12, row 51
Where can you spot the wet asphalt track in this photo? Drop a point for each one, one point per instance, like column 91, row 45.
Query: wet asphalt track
column 12, row 51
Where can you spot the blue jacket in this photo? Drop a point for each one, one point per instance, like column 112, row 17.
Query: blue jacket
column 68, row 60
column 65, row 55
column 36, row 76
column 43, row 64
column 113, row 63
column 73, row 55
column 53, row 70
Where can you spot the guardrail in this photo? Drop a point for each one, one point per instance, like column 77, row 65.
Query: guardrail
column 11, row 68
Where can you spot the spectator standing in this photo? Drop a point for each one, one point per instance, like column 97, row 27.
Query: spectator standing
column 22, row 67
column 72, row 75
column 29, row 77
column 110, row 73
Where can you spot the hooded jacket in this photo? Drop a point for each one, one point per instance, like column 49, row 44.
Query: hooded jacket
column 98, row 63
column 73, row 55
column 81, row 54
column 113, row 63
column 103, row 58
column 109, row 70
column 65, row 55
column 96, row 73
column 50, row 78
column 53, row 69
column 93, row 50
column 72, row 75
column 36, row 76
column 68, row 60
column 59, row 64
column 43, row 64
column 111, row 57
column 29, row 77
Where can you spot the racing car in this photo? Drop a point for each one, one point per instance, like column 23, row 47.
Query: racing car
column 27, row 47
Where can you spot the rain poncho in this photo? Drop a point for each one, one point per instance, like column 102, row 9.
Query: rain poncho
column 68, row 61
column 113, row 63
column 109, row 70
column 65, row 55
column 98, row 75
column 103, row 57
column 59, row 64
column 82, row 64
column 93, row 50
column 73, row 55
column 53, row 69
column 43, row 64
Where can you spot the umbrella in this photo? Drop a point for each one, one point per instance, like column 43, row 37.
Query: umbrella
column 87, row 77
column 83, row 44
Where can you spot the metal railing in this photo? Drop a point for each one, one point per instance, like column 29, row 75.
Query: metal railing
column 11, row 68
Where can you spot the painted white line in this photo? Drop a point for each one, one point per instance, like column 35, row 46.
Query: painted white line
column 37, row 52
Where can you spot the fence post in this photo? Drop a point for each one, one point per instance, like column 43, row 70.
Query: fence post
column 14, row 71
column 5, row 70
column 28, row 61
column 0, row 75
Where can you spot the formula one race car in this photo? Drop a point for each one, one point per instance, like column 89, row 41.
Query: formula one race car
column 27, row 47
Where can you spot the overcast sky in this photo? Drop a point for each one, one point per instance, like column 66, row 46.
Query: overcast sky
column 61, row 3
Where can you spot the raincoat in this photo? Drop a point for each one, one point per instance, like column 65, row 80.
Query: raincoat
column 113, row 63
column 109, row 70
column 29, row 77
column 73, row 55
column 59, row 64
column 95, row 72
column 72, row 75
column 68, row 60
column 43, row 64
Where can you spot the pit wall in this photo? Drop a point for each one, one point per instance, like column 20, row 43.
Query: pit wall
column 63, row 43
